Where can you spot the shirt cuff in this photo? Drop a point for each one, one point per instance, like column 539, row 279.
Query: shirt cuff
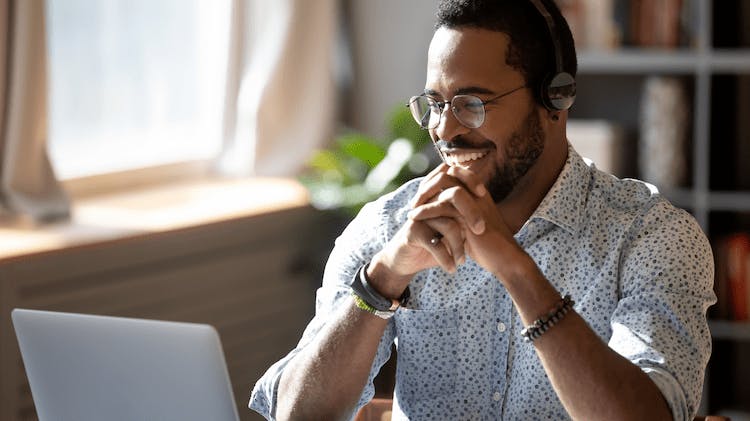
column 264, row 397
column 672, row 392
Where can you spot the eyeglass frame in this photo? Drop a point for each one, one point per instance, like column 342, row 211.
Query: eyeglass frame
column 441, row 106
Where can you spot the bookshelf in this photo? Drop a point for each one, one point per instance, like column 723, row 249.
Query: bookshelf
column 707, row 61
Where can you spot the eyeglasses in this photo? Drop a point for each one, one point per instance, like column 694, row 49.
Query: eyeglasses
column 468, row 109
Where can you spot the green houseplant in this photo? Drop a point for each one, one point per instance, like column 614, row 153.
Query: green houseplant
column 357, row 168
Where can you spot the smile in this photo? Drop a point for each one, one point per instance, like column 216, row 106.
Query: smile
column 461, row 158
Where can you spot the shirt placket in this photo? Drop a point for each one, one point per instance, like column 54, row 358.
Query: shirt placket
column 500, row 327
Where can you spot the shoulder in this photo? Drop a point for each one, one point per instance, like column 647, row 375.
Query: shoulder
column 633, row 200
column 625, row 195
column 645, row 213
column 654, row 229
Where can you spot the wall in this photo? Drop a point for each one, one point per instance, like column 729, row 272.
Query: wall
column 389, row 40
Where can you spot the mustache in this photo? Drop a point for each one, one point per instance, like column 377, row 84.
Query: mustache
column 461, row 143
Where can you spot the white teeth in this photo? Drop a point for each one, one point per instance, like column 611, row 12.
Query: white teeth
column 454, row 159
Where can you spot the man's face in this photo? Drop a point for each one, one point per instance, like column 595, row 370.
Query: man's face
column 503, row 149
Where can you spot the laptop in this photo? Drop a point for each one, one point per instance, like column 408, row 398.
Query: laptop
column 84, row 367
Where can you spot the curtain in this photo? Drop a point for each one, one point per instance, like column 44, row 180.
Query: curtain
column 28, row 186
column 280, row 102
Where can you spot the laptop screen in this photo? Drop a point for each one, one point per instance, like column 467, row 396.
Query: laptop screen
column 85, row 367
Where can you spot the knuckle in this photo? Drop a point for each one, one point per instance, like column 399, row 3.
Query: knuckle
column 461, row 196
column 441, row 178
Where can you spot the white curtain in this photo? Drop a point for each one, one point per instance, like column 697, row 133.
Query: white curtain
column 280, row 91
column 27, row 183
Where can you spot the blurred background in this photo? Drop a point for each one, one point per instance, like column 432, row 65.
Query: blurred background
column 194, row 160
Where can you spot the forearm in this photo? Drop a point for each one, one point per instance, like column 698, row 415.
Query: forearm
column 592, row 380
column 326, row 379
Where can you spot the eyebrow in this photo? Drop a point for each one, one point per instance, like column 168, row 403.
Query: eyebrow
column 469, row 90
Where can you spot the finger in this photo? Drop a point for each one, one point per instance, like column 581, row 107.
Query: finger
column 469, row 179
column 421, row 235
column 427, row 180
column 437, row 170
column 454, row 203
column 452, row 237
column 429, row 189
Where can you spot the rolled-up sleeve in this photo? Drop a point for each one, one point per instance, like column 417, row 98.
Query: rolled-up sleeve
column 666, row 286
column 356, row 246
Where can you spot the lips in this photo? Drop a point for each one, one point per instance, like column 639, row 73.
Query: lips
column 462, row 158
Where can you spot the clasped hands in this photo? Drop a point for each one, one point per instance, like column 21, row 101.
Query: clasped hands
column 453, row 206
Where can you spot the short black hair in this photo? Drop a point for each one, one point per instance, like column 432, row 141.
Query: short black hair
column 531, row 50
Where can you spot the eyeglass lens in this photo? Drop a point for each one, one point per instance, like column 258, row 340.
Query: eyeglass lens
column 468, row 110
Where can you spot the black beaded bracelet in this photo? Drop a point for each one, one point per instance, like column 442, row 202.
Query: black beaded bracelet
column 543, row 324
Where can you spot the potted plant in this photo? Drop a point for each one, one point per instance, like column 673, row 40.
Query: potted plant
column 357, row 168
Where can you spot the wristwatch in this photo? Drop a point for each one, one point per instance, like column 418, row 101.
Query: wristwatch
column 371, row 296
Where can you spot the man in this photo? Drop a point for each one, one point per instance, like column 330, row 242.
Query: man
column 486, row 244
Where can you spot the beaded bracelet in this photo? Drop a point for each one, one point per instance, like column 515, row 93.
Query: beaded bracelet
column 541, row 325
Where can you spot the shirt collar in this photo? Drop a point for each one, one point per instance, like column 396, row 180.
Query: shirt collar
column 565, row 202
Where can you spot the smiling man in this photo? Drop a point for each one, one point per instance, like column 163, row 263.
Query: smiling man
column 517, row 281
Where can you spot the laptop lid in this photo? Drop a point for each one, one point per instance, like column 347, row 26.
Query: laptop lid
column 84, row 367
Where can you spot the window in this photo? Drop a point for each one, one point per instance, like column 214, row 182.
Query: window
column 135, row 83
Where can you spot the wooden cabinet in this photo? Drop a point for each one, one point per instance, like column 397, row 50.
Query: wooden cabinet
column 253, row 278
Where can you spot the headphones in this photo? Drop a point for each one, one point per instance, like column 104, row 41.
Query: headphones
column 558, row 90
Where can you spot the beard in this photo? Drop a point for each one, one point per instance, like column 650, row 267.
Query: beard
column 521, row 152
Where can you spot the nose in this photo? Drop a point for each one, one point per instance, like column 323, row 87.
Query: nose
column 449, row 127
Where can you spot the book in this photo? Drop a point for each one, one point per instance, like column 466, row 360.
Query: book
column 738, row 274
column 722, row 309
column 663, row 132
column 592, row 23
column 656, row 23
column 574, row 14
column 601, row 141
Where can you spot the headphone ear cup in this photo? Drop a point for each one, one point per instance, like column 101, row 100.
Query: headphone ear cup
column 559, row 92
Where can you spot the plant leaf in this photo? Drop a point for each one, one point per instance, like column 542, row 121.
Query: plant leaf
column 362, row 148
column 402, row 125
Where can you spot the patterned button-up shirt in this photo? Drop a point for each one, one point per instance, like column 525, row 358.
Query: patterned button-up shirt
column 639, row 269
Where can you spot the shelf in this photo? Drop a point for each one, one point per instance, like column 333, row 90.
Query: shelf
column 729, row 201
column 637, row 61
column 723, row 201
column 682, row 198
column 730, row 60
column 678, row 61
column 728, row 330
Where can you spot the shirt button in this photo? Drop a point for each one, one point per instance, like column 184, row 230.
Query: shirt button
column 496, row 396
column 501, row 327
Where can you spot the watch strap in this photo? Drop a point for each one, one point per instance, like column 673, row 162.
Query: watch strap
column 362, row 305
column 363, row 289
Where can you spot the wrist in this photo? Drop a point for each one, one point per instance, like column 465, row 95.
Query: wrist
column 388, row 283
column 514, row 265
column 531, row 291
column 367, row 298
